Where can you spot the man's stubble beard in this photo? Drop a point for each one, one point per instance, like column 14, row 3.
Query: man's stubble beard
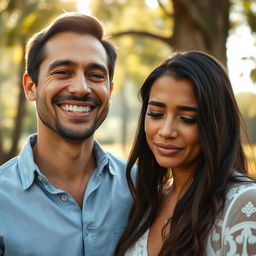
column 66, row 132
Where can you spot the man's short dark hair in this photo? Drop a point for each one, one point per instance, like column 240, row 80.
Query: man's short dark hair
column 67, row 22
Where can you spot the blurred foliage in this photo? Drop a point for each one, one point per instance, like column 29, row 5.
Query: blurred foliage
column 249, row 11
column 136, row 58
column 247, row 106
column 19, row 19
column 124, row 17
column 138, row 55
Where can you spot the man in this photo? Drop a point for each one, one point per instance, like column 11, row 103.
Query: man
column 63, row 195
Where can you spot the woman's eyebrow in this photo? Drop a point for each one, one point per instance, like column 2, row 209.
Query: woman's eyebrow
column 156, row 103
column 187, row 108
column 161, row 104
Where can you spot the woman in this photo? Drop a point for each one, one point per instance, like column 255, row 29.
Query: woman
column 192, row 195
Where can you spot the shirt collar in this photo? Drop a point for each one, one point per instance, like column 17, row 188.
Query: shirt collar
column 29, row 169
column 102, row 159
column 26, row 163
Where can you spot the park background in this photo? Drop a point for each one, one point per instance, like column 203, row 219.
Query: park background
column 144, row 32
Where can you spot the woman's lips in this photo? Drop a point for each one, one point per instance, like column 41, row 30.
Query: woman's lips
column 168, row 149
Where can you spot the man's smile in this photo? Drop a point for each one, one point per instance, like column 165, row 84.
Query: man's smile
column 76, row 108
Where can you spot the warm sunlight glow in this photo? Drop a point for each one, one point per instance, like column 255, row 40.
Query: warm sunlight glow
column 152, row 3
column 241, row 44
column 83, row 6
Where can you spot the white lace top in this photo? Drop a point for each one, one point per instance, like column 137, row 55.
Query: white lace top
column 234, row 231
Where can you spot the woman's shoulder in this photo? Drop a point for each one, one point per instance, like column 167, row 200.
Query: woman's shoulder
column 234, row 232
column 236, row 190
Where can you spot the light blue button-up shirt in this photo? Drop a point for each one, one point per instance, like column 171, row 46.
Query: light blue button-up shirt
column 37, row 219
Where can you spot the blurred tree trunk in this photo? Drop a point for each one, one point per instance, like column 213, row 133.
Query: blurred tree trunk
column 27, row 17
column 21, row 107
column 19, row 117
column 21, row 104
column 124, row 117
column 201, row 25
column 194, row 25
column 197, row 25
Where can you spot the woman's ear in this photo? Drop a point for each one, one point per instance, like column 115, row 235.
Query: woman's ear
column 29, row 87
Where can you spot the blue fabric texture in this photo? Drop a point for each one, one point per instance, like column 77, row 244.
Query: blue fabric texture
column 38, row 219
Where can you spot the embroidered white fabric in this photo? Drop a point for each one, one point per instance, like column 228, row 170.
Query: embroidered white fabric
column 234, row 231
column 140, row 247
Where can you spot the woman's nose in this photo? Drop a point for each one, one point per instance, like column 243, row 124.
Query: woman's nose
column 168, row 128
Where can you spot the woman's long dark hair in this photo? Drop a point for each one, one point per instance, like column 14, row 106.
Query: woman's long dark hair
column 219, row 125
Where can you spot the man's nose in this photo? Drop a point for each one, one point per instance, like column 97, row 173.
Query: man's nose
column 79, row 86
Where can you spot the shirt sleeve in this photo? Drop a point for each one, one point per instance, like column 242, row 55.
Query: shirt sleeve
column 239, row 225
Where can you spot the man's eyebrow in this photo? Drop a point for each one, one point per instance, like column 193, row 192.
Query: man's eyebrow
column 58, row 63
column 187, row 108
column 61, row 63
column 99, row 67
column 156, row 103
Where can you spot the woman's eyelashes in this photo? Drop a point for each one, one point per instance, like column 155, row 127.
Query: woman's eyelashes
column 185, row 119
column 189, row 120
column 154, row 114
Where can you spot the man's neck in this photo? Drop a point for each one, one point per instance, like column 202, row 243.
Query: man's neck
column 67, row 165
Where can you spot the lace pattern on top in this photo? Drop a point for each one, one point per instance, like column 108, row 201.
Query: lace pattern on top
column 140, row 247
column 234, row 231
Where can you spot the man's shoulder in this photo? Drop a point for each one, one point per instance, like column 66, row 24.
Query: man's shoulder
column 116, row 163
column 9, row 175
column 116, row 159
column 119, row 164
column 9, row 165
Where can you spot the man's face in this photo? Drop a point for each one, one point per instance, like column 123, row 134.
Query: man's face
column 73, row 90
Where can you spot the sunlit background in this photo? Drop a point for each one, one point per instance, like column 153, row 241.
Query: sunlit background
column 240, row 44
column 137, row 56
column 240, row 49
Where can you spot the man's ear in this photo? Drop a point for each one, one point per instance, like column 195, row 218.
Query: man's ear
column 111, row 87
column 29, row 87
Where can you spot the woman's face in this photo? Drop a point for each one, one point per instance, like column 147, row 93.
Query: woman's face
column 171, row 124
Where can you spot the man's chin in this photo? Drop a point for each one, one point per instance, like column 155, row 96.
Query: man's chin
column 75, row 135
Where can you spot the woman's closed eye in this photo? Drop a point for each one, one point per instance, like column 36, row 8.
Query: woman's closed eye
column 187, row 119
column 154, row 114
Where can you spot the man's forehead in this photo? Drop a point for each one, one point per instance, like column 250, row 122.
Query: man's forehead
column 70, row 45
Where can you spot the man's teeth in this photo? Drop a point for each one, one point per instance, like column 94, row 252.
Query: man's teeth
column 74, row 108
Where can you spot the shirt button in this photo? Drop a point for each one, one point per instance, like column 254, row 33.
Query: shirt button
column 64, row 198
column 40, row 178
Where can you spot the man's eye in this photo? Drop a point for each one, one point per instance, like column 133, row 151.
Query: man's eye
column 154, row 114
column 62, row 72
column 189, row 120
column 96, row 77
